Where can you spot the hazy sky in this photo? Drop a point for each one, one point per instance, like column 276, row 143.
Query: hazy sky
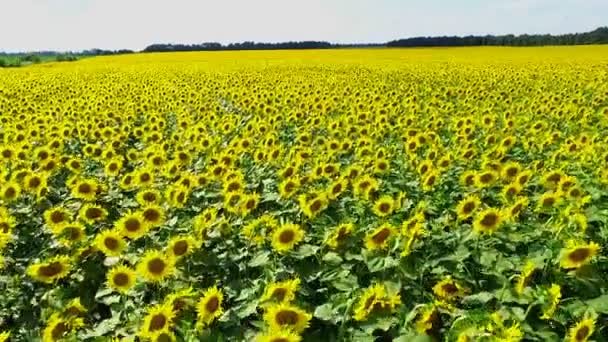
column 27, row 25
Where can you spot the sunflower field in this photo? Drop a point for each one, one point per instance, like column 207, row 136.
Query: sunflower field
column 282, row 196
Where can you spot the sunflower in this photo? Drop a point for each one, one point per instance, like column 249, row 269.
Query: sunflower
column 384, row 206
column 232, row 202
column 337, row 235
column 85, row 189
column 381, row 166
column 312, row 204
column 143, row 178
column 285, row 316
column 488, row 221
column 336, row 188
column 485, row 179
column 181, row 299
column 577, row 255
column 52, row 269
column 282, row 291
column 113, row 167
column 548, row 201
column 209, row 307
column 132, row 225
column 56, row 218
column 155, row 266
column 127, row 182
column 515, row 210
column 286, row 237
column 10, row 191
column 178, row 196
column 428, row 320
column 34, row 182
column 74, row 308
column 553, row 296
column 149, row 197
column 180, row 246
column 249, row 203
column 288, row 187
column 447, row 289
column 375, row 300
column 509, row 191
column 525, row 277
column 110, row 242
column 164, row 336
column 159, row 318
column 121, row 278
column 582, row 330
column 365, row 187
column 57, row 327
column 468, row 178
column 510, row 171
column 153, row 215
column 285, row 335
column 92, row 213
column 5, row 337
column 523, row 178
column 71, row 233
column 467, row 206
column 380, row 237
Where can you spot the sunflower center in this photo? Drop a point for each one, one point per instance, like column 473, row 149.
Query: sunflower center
column 156, row 266
column 469, row 180
column 279, row 339
column 315, row 205
column 158, row 322
column 287, row 317
column 516, row 209
column 212, row 304
column 180, row 248
column 34, row 182
column 151, row 215
column 548, row 202
column 337, row 188
column 10, row 192
column 486, row 178
column 385, row 207
column 111, row 243
column 163, row 337
column 73, row 233
column 287, row 236
column 468, row 207
column 489, row 220
column 381, row 236
column 579, row 254
column 120, row 279
column 50, row 270
column 250, row 204
column 4, row 227
column 145, row 177
column 582, row 333
column 85, row 188
column 59, row 330
column 575, row 192
column 57, row 217
column 132, row 225
column 93, row 213
column 449, row 288
column 234, row 186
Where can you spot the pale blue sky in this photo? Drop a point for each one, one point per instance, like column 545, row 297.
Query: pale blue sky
column 27, row 25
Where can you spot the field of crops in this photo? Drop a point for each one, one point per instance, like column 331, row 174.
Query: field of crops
column 282, row 196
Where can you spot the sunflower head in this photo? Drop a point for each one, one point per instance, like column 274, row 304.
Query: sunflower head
column 121, row 278
column 110, row 242
column 578, row 255
column 582, row 330
column 488, row 221
column 384, row 206
column 209, row 306
column 156, row 266
column 158, row 319
column 284, row 316
column 286, row 237
column 380, row 237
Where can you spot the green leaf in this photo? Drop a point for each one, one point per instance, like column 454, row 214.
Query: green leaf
column 332, row 258
column 260, row 259
column 325, row 312
column 305, row 251
column 346, row 284
column 599, row 304
column 478, row 298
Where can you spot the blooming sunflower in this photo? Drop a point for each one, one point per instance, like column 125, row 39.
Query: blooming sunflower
column 379, row 238
column 249, row 203
column 582, row 330
column 132, row 225
column 288, row 187
column 155, row 266
column 209, row 307
column 577, row 255
column 447, row 289
column 384, row 206
column 467, row 206
column 525, row 277
column 554, row 294
column 159, row 318
column 180, row 246
column 51, row 270
column 338, row 235
column 375, row 300
column 485, row 179
column 153, row 215
column 56, row 218
column 488, row 221
column 110, row 242
column 282, row 291
column 74, row 308
column 57, row 327
column 286, row 237
column 92, row 213
column 284, row 335
column 121, row 278
column 149, row 197
column 427, row 320
column 10, row 191
column 285, row 316
column 85, row 189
